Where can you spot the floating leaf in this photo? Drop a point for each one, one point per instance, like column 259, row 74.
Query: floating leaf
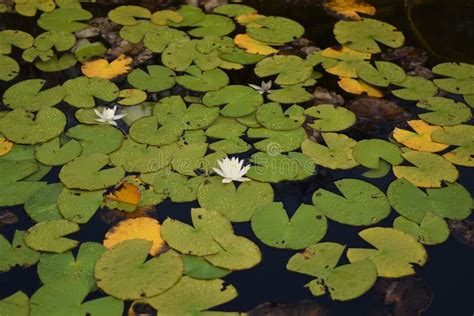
column 132, row 97
column 127, row 14
column 253, row 46
column 31, row 54
column 18, row 192
column 429, row 169
column 385, row 74
column 89, row 50
column 203, row 81
column 273, row 227
column 79, row 206
column 96, row 138
column 276, row 142
column 30, row 7
column 420, row 139
column 415, row 88
column 238, row 100
column 269, row 167
column 432, row 230
column 65, row 268
column 362, row 203
column 371, row 152
column 453, row 201
column 161, row 17
column 9, row 68
column 81, row 91
column 289, row 69
column 15, row 305
column 5, row 146
column 85, row 173
column 462, row 136
column 363, row 35
column 271, row 116
column 337, row 154
column 461, row 77
column 329, row 118
column 135, row 33
column 275, row 29
column 64, row 19
column 191, row 15
column 359, row 87
column 101, row 68
column 199, row 268
column 22, row 127
column 212, row 24
column 290, row 94
column 191, row 296
column 237, row 204
column 9, row 38
column 349, row 8
column 48, row 236
column 60, row 40
column 13, row 171
column 55, row 153
column 42, row 205
column 18, row 253
column 395, row 255
column 234, row 10
column 200, row 239
column 157, row 79
column 343, row 282
column 342, row 62
column 177, row 187
column 147, row 130
column 126, row 264
column 55, row 64
column 157, row 41
column 444, row 111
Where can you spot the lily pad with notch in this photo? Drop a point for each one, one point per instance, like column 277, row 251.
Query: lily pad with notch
column 79, row 206
column 329, row 118
column 432, row 230
column 157, row 79
column 16, row 254
column 64, row 19
column 48, row 236
column 237, row 100
column 271, row 116
column 81, row 91
column 289, row 69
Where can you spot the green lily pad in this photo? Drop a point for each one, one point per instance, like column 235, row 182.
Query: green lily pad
column 67, row 298
column 147, row 130
column 27, row 95
column 64, row 267
column 18, row 192
column 329, row 118
column 132, row 97
column 30, row 7
column 462, row 136
column 64, row 19
column 16, row 304
column 191, row 296
column 234, row 9
column 203, row 81
column 337, row 154
column 85, row 173
column 60, row 40
column 386, row 73
column 362, row 203
column 81, row 91
column 9, row 68
column 271, row 224
column 79, row 206
column 364, row 35
column 191, row 15
column 275, row 29
column 395, row 255
column 289, row 69
column 31, row 54
column 173, row 109
column 56, row 153
column 25, row 128
column 225, row 128
column 453, row 201
column 237, row 253
column 123, row 271
column 179, row 55
column 128, row 14
column 230, row 146
column 157, row 79
column 237, row 204
column 212, row 25
column 9, row 38
column 200, row 239
column 238, row 100
column 290, row 94
column 415, row 88
column 460, row 77
column 199, row 268
column 271, row 116
column 428, row 170
column 94, row 139
column 444, row 111
column 344, row 282
column 13, row 170
column 157, row 41
column 276, row 142
column 161, row 17
column 48, row 236
column 42, row 205
column 177, row 187
column 88, row 50
column 432, row 230
column 371, row 152
column 55, row 64
column 469, row 99
column 135, row 33
column 18, row 253
column 239, row 56
column 275, row 168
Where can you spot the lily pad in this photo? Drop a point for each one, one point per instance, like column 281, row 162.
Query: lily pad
column 60, row 40
column 289, row 69
column 18, row 253
column 329, row 118
column 238, row 100
column 9, row 38
column 290, row 94
column 444, row 111
column 64, row 19
column 271, row 116
column 89, row 50
column 432, row 230
column 42, row 205
column 396, row 253
column 460, row 77
column 415, row 88
column 135, row 33
column 371, row 152
column 27, row 95
column 364, row 35
column 9, row 68
column 362, row 203
column 237, row 204
column 212, row 25
column 79, row 206
column 453, row 201
column 337, row 154
column 161, row 17
column 157, row 79
column 199, row 268
column 462, row 136
column 276, row 142
column 56, row 64
column 234, row 9
column 178, row 187
column 30, row 7
column 420, row 139
column 48, row 236
column 191, row 296
column 191, row 15
column 147, row 130
column 96, row 138
column 157, row 41
column 55, row 153
column 18, row 192
column 273, row 227
column 81, row 91
column 17, row 304
column 25, row 128
column 386, row 73
column 128, row 14
column 203, row 81
column 275, row 29
column 85, row 173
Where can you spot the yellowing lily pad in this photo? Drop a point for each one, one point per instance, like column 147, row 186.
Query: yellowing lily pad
column 349, row 8
column 420, row 139
column 253, row 46
column 359, row 87
column 101, row 68
column 128, row 14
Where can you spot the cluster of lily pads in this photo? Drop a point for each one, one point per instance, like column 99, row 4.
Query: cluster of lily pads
column 180, row 117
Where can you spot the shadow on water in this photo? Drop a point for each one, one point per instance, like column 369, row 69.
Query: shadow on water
column 446, row 30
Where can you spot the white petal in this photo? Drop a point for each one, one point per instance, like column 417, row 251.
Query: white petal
column 226, row 180
column 242, row 179
column 119, row 116
column 219, row 172
column 112, row 122
column 98, row 113
column 101, row 120
column 255, row 86
column 244, row 170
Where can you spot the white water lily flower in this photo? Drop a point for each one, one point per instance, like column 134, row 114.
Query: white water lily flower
column 232, row 170
column 108, row 116
column 264, row 87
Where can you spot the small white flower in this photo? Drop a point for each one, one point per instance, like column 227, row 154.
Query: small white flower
column 108, row 116
column 263, row 88
column 232, row 170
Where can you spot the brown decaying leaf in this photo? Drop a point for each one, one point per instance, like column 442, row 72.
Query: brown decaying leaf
column 7, row 218
column 378, row 110
column 463, row 231
column 112, row 217
column 324, row 96
column 306, row 308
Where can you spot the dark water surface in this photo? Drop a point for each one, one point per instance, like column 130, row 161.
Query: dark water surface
column 446, row 30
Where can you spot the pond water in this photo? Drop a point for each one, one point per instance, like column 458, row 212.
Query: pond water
column 445, row 30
